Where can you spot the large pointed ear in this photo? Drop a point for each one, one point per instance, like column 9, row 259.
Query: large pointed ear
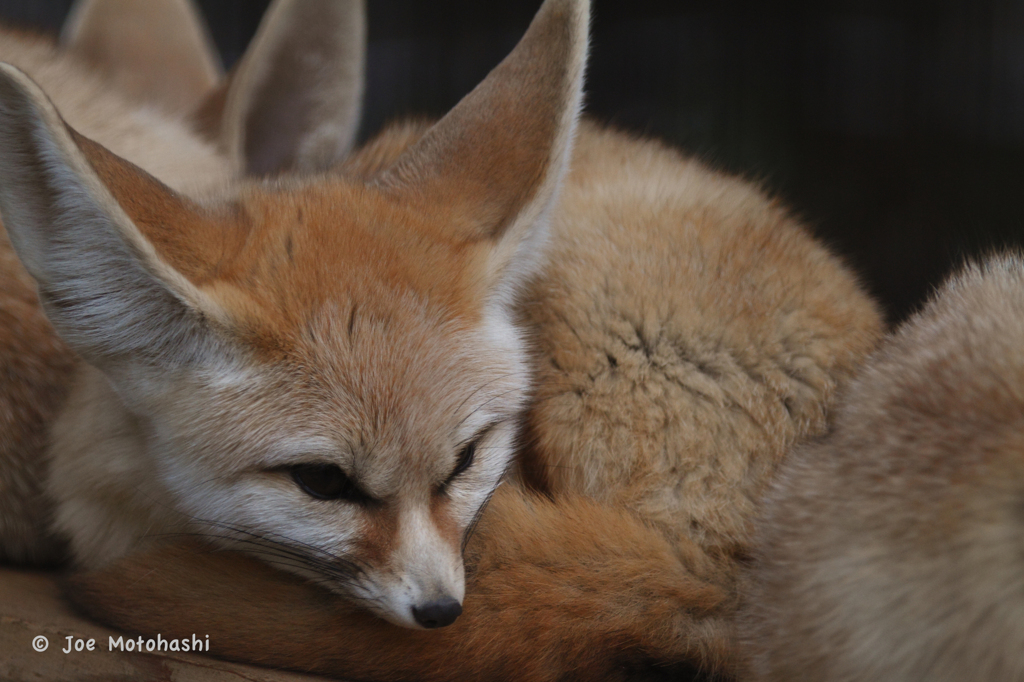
column 158, row 50
column 294, row 100
column 498, row 158
column 108, row 292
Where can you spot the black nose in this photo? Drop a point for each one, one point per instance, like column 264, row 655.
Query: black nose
column 437, row 614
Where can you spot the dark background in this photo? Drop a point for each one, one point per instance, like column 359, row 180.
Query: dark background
column 894, row 127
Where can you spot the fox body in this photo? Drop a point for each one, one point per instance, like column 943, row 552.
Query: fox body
column 327, row 371
column 892, row 548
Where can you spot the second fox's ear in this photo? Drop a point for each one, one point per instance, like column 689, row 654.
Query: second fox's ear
column 496, row 161
column 108, row 292
column 158, row 51
column 293, row 102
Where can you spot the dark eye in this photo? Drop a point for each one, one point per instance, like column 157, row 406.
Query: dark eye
column 466, row 456
column 327, row 482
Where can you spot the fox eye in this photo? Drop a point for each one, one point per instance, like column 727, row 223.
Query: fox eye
column 466, row 457
column 327, row 482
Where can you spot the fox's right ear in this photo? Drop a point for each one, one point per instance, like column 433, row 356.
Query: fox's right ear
column 156, row 50
column 496, row 161
column 293, row 102
column 111, row 296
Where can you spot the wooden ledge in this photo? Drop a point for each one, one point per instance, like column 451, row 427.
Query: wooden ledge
column 31, row 606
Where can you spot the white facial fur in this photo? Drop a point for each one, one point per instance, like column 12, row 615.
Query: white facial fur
column 402, row 405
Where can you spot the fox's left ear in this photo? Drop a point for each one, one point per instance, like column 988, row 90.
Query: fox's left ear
column 294, row 100
column 496, row 161
column 115, row 286
column 156, row 50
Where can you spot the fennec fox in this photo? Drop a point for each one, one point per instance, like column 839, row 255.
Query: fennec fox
column 328, row 372
column 83, row 75
column 893, row 549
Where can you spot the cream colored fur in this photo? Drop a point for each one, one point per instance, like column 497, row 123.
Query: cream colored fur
column 155, row 51
column 155, row 142
column 892, row 549
column 689, row 332
column 42, row 370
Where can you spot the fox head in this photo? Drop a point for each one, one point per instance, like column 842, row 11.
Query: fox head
column 326, row 369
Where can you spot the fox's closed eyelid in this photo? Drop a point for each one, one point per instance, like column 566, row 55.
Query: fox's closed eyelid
column 467, row 452
column 327, row 481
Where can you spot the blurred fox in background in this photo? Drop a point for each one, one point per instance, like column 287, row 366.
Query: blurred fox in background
column 892, row 549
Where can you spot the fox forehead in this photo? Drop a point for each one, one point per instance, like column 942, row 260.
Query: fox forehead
column 390, row 405
column 359, row 323
column 278, row 256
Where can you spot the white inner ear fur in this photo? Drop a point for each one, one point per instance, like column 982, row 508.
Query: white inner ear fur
column 99, row 277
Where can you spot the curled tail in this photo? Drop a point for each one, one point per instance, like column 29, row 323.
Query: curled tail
column 564, row 589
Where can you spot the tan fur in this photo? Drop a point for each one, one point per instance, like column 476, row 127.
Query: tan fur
column 157, row 143
column 592, row 608
column 685, row 331
column 37, row 363
column 892, row 549
column 156, row 51
column 37, row 366
column 689, row 332
column 229, row 318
